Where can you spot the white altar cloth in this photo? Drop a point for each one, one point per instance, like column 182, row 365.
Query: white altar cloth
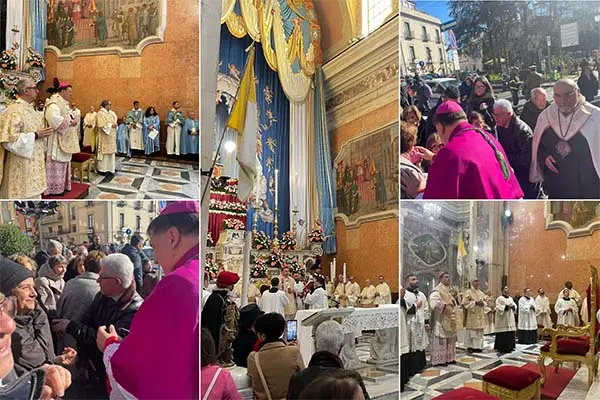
column 362, row 319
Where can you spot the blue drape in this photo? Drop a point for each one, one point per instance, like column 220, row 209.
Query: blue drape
column 274, row 123
column 37, row 20
column 324, row 167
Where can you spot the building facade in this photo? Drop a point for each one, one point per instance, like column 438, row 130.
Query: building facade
column 422, row 48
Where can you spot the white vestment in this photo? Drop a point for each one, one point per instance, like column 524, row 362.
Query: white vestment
column 352, row 291
column 417, row 336
column 542, row 311
column 572, row 294
column 317, row 299
column 273, row 302
column 567, row 311
column 384, row 294
column 505, row 318
column 527, row 318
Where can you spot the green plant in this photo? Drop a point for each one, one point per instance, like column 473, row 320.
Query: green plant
column 13, row 241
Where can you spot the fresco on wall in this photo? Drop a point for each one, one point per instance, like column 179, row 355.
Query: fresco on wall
column 576, row 218
column 76, row 25
column 367, row 174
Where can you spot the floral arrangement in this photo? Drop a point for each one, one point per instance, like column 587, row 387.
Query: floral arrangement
column 288, row 241
column 226, row 186
column 227, row 207
column 295, row 267
column 234, row 224
column 259, row 269
column 210, row 267
column 8, row 60
column 209, row 241
column 261, row 241
column 317, row 235
column 35, row 59
column 275, row 261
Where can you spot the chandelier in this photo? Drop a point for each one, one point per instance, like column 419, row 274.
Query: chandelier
column 432, row 210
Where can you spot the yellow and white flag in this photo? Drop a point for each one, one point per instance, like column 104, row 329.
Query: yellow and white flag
column 244, row 120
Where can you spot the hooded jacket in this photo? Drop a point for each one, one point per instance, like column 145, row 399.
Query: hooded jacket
column 49, row 287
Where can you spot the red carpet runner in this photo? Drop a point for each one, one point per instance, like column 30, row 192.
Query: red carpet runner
column 78, row 191
column 555, row 382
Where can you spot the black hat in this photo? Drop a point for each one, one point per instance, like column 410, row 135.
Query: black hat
column 11, row 274
column 248, row 315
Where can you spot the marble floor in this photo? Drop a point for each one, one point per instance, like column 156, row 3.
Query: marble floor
column 470, row 368
column 138, row 178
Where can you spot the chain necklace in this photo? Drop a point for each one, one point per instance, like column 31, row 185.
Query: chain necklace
column 562, row 147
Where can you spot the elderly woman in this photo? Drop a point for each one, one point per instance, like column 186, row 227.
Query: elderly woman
column 32, row 345
column 170, row 313
column 413, row 116
column 50, row 283
column 411, row 176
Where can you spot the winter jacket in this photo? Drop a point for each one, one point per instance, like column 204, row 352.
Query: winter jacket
column 134, row 255
column 49, row 287
column 32, row 344
column 530, row 114
column 77, row 296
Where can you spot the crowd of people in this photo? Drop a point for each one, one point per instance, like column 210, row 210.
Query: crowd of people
column 253, row 336
column 433, row 325
column 79, row 323
column 473, row 145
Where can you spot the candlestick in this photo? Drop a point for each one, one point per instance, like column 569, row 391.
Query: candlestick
column 295, row 190
column 295, row 218
column 344, row 269
column 276, row 227
column 276, row 189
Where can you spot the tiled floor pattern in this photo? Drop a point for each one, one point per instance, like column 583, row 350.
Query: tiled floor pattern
column 138, row 178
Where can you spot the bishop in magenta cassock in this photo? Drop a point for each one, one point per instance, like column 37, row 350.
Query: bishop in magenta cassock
column 159, row 358
column 472, row 164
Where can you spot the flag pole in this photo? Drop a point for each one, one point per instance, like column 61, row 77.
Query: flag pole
column 237, row 92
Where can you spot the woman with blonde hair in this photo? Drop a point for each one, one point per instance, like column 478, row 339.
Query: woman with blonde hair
column 25, row 261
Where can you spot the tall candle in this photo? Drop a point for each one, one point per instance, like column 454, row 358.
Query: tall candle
column 332, row 270
column 276, row 188
column 344, row 269
column 295, row 191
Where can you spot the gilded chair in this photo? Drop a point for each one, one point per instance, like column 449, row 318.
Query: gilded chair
column 574, row 344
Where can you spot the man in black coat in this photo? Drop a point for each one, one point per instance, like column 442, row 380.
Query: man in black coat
column 132, row 250
column 515, row 136
column 329, row 338
column 244, row 342
column 534, row 107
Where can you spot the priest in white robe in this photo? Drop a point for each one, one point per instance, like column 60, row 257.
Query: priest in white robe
column 367, row 296
column 444, row 320
column 352, row 291
column 527, row 333
column 89, row 129
column 340, row 288
column 76, row 113
column 175, row 121
column 490, row 313
column 384, row 293
column 317, row 298
column 405, row 354
column 106, row 127
column 274, row 299
column 414, row 304
column 287, row 283
column 473, row 303
column 542, row 310
column 135, row 122
column 505, row 323
column 299, row 288
column 567, row 310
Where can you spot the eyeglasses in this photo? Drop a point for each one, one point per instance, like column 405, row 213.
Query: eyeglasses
column 566, row 95
column 102, row 278
column 9, row 307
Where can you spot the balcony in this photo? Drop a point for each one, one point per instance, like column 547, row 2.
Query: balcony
column 408, row 34
column 426, row 37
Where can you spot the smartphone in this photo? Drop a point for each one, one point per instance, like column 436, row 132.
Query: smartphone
column 292, row 330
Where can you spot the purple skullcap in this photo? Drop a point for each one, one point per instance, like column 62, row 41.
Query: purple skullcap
column 448, row 107
column 178, row 207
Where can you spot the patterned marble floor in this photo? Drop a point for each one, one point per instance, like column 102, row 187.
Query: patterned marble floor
column 138, row 178
column 469, row 370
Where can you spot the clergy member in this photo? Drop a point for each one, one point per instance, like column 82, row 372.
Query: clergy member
column 287, row 284
column 473, row 303
column 367, row 296
column 89, row 129
column 384, row 293
column 63, row 143
column 299, row 288
column 527, row 324
column 106, row 127
column 505, row 323
column 175, row 122
column 340, row 287
column 405, row 355
column 471, row 165
column 352, row 291
column 135, row 122
column 490, row 313
column 444, row 319
column 566, row 152
column 76, row 113
column 274, row 299
column 567, row 310
column 317, row 298
column 542, row 309
column 573, row 294
column 190, row 135
column 417, row 320
column 22, row 156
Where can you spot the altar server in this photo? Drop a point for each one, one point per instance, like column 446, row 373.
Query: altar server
column 151, row 131
column 317, row 298
column 542, row 309
column 567, row 310
column 190, row 134
column 527, row 324
column 135, row 122
column 505, row 323
column 175, row 122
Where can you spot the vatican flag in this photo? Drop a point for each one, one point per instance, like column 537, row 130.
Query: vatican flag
column 461, row 246
column 244, row 119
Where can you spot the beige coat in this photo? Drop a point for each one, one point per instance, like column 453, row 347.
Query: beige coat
column 278, row 363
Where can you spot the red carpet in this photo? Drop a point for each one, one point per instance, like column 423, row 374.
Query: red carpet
column 555, row 382
column 78, row 191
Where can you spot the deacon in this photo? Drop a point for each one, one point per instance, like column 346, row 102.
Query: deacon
column 190, row 134
column 63, row 143
column 566, row 151
column 473, row 303
column 175, row 122
column 135, row 121
column 287, row 285
column 220, row 315
column 505, row 323
column 89, row 129
column 471, row 165
column 567, row 310
column 352, row 291
column 367, row 296
column 22, row 156
column 417, row 320
column 444, row 307
column 527, row 324
column 490, row 313
column 384, row 293
column 106, row 126
column 542, row 309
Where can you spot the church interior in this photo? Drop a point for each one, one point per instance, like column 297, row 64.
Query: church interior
column 120, row 51
column 324, row 190
column 548, row 247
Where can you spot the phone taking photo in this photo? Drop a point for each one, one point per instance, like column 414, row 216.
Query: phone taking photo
column 292, row 330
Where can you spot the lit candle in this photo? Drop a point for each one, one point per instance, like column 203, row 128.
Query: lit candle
column 332, row 270
column 344, row 269
column 295, row 189
column 276, row 187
